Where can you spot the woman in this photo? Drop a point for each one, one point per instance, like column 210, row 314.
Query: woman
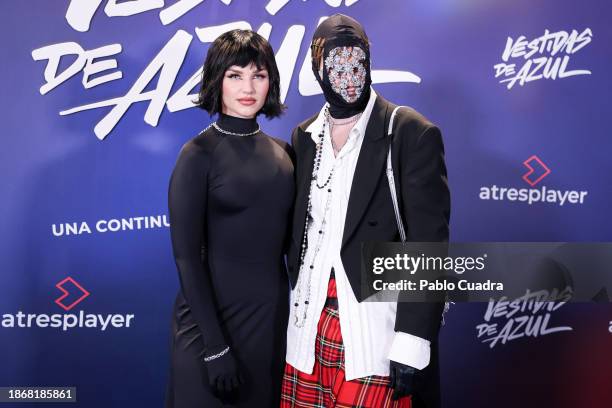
column 230, row 199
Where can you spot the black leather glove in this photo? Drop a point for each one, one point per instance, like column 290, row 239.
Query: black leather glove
column 223, row 376
column 403, row 378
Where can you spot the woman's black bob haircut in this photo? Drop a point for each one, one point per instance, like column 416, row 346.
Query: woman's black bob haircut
column 241, row 48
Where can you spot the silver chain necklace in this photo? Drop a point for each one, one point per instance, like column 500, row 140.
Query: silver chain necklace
column 227, row 132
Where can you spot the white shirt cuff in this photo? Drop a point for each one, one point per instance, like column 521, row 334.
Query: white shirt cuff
column 410, row 350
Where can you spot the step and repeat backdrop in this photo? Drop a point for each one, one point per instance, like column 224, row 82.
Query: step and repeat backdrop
column 97, row 99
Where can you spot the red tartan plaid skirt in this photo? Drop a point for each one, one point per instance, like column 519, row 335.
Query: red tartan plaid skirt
column 326, row 386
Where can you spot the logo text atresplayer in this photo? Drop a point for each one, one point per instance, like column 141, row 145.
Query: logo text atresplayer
column 72, row 294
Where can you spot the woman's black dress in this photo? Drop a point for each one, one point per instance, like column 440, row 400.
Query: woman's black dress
column 230, row 202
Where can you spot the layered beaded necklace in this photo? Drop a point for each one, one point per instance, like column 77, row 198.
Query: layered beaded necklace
column 302, row 278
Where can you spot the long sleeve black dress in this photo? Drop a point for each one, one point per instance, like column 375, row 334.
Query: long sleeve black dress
column 230, row 200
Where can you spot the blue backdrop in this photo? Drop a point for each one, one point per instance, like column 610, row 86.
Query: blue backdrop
column 96, row 105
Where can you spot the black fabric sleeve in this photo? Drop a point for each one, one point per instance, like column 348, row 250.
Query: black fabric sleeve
column 425, row 192
column 291, row 153
column 187, row 204
column 287, row 148
column 294, row 138
column 425, row 200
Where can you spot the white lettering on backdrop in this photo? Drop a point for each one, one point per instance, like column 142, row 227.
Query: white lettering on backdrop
column 166, row 64
column 542, row 57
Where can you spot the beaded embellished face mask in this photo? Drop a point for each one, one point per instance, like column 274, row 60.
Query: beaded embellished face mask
column 347, row 72
column 341, row 65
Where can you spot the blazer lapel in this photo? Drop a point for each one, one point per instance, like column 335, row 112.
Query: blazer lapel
column 369, row 168
column 304, row 176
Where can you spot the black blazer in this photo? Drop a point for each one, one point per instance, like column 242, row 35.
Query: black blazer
column 424, row 199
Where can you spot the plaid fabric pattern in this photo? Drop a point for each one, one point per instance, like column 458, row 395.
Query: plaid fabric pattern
column 326, row 386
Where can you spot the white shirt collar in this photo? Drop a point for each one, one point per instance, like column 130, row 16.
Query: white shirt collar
column 360, row 127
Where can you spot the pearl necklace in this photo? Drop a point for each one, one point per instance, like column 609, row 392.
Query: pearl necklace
column 333, row 123
column 354, row 119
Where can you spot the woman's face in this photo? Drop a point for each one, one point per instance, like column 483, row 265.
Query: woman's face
column 245, row 90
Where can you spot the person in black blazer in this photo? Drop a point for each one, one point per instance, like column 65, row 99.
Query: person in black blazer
column 423, row 195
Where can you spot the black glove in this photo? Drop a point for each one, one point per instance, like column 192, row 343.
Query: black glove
column 223, row 376
column 403, row 379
